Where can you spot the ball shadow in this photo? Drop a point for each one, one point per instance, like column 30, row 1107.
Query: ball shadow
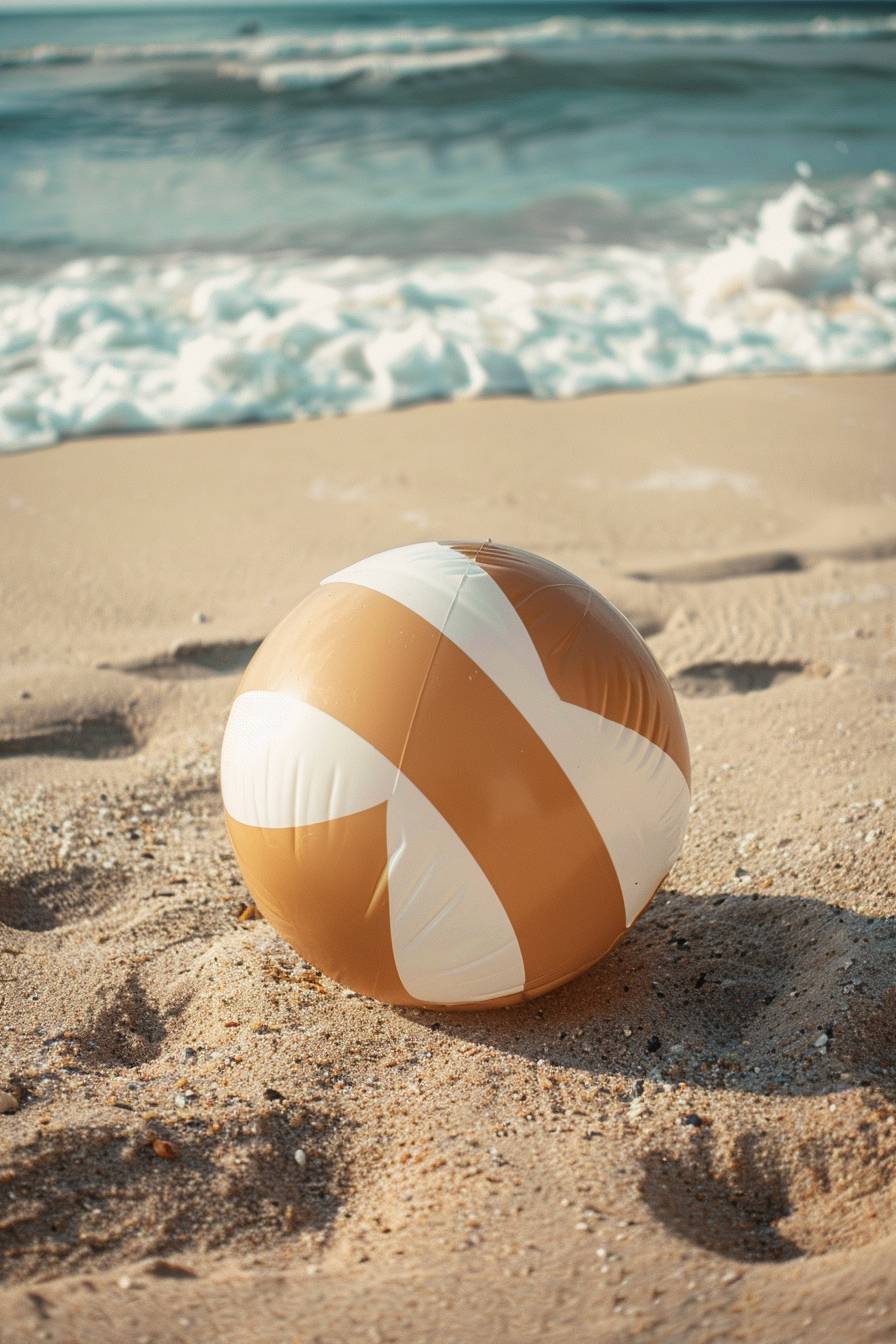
column 743, row 991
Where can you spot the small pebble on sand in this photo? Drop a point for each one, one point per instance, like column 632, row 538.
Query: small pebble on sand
column 9, row 1103
column 300, row 1157
column 162, row 1148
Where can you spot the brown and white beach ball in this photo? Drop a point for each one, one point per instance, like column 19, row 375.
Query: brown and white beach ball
column 454, row 775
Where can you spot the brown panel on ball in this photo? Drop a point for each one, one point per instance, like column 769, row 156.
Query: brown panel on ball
column 591, row 654
column 336, row 651
column 376, row 666
column 323, row 887
column 495, row 782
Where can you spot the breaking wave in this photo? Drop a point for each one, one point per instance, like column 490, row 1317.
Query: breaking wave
column 116, row 343
column 397, row 40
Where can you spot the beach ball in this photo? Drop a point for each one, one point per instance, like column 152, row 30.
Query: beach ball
column 454, row 775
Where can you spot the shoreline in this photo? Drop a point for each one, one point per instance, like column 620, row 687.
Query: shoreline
column 403, row 407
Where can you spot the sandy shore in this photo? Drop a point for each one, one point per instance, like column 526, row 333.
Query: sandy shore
column 695, row 1141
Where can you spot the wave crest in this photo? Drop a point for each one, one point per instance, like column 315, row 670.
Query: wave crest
column 343, row 43
column 372, row 68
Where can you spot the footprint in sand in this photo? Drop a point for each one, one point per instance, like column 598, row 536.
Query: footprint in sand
column 772, row 1197
column 729, row 678
column 94, row 737
column 183, row 661
column 732, row 1209
column 239, row 1188
column 766, row 562
column 128, row 1029
column 53, row 898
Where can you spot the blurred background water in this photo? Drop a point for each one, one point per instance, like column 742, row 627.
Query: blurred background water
column 231, row 213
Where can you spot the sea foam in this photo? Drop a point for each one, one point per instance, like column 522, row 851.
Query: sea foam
column 372, row 67
column 117, row 343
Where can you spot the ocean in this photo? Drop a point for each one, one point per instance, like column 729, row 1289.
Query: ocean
column 231, row 214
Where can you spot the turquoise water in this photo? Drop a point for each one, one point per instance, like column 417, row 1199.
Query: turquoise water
column 257, row 212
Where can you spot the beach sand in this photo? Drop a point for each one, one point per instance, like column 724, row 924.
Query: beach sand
column 695, row 1140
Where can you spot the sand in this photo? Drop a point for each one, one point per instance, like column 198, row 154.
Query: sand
column 694, row 1141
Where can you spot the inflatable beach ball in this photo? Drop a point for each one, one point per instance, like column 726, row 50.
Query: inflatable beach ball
column 454, row 775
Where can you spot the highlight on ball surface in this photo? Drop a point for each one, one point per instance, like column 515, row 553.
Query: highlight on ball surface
column 454, row 775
